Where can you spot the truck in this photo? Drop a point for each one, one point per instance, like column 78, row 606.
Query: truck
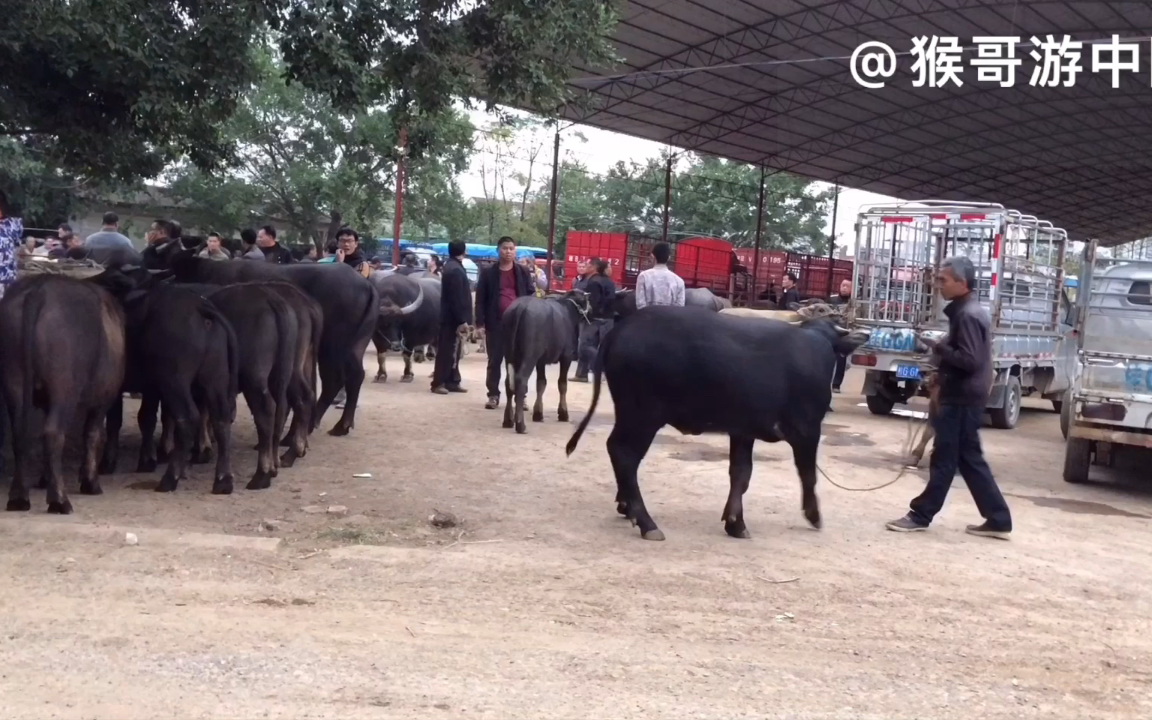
column 1109, row 405
column 1019, row 262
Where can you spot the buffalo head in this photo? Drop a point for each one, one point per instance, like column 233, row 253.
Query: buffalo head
column 389, row 309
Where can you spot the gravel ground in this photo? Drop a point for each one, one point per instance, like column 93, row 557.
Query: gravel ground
column 542, row 603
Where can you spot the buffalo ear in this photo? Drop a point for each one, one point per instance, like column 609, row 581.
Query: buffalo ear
column 794, row 306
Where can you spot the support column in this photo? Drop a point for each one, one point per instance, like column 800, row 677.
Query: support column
column 399, row 214
column 667, row 196
column 552, row 206
column 832, row 240
column 759, row 226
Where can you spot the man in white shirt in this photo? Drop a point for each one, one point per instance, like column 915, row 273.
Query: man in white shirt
column 658, row 285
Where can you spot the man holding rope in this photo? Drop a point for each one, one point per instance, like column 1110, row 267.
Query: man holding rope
column 455, row 317
column 965, row 377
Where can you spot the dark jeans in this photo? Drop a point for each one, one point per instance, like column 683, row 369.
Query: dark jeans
column 446, row 372
column 841, row 366
column 591, row 335
column 494, row 346
column 958, row 446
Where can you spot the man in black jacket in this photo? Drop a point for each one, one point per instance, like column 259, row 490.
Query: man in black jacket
column 601, row 312
column 348, row 251
column 455, row 316
column 841, row 299
column 497, row 287
column 273, row 251
column 790, row 294
column 965, row 377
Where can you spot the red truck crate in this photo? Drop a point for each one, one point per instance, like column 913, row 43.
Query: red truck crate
column 581, row 246
column 705, row 262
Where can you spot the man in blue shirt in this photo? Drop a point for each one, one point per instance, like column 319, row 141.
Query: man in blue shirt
column 109, row 237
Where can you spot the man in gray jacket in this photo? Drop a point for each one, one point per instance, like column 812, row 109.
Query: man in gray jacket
column 965, row 377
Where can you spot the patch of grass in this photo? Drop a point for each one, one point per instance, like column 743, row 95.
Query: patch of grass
column 352, row 536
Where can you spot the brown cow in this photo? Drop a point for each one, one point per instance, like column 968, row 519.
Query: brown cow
column 63, row 352
column 932, row 383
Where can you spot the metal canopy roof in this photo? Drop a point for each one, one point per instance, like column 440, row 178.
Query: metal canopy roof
column 768, row 82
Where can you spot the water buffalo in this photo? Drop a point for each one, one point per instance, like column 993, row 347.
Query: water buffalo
column 182, row 353
column 537, row 332
column 350, row 305
column 716, row 383
column 409, row 317
column 625, row 303
column 63, row 352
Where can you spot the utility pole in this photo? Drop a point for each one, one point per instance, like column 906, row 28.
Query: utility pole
column 399, row 214
column 552, row 205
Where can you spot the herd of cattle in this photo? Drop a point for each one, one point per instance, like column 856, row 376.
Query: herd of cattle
column 189, row 335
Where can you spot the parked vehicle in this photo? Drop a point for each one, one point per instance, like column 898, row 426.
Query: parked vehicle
column 1019, row 261
column 1109, row 405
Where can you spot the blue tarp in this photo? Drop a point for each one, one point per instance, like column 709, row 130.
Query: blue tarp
column 476, row 251
column 1071, row 282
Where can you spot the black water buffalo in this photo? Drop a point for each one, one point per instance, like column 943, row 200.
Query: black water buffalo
column 182, row 353
column 61, row 351
column 350, row 305
column 409, row 317
column 537, row 332
column 750, row 378
column 625, row 303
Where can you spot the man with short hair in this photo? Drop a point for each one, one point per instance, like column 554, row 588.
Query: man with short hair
column 790, row 294
column 658, row 285
column 965, row 377
column 497, row 287
column 248, row 248
column 214, row 248
column 842, row 299
column 601, row 314
column 273, row 251
column 348, row 251
column 455, row 317
column 109, row 236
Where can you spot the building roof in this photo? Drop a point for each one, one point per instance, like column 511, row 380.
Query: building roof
column 768, row 82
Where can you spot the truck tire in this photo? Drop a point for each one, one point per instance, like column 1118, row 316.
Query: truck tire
column 880, row 404
column 1057, row 406
column 1077, row 460
column 1005, row 418
column 1065, row 413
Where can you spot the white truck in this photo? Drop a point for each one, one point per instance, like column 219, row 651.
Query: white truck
column 1109, row 405
column 1019, row 263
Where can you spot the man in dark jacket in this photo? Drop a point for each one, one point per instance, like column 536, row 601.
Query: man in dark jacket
column 273, row 251
column 841, row 299
column 965, row 377
column 497, row 287
column 790, row 294
column 455, row 316
column 601, row 312
column 348, row 251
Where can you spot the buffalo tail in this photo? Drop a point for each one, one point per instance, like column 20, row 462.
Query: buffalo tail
column 596, row 375
column 33, row 305
column 209, row 312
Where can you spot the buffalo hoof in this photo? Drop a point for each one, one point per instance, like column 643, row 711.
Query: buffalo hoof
column 222, row 485
column 622, row 509
column 537, row 416
column 64, row 507
column 288, row 459
column 562, row 416
column 656, row 534
column 19, row 505
column 521, row 428
column 338, row 431
column 90, row 488
column 202, row 456
column 260, row 481
column 507, row 424
column 737, row 530
column 407, row 378
column 167, row 484
column 812, row 515
column 147, row 465
column 107, row 467
column 380, row 379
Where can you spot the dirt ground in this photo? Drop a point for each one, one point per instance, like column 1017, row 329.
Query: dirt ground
column 543, row 603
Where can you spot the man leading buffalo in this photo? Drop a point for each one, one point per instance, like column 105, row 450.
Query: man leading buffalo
column 498, row 287
column 455, row 317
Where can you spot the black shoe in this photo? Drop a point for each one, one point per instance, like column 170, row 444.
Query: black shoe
column 906, row 524
column 456, row 389
column 493, row 403
column 836, row 389
column 440, row 390
column 578, row 378
column 987, row 529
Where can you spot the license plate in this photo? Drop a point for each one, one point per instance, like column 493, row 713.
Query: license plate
column 908, row 372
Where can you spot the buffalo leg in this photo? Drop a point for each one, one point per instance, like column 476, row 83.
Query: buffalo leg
column 926, row 436
column 220, row 409
column 353, row 379
column 739, row 475
column 419, row 354
column 627, row 446
column 202, row 449
column 510, row 393
column 299, row 399
column 263, row 414
column 541, row 385
column 167, row 441
column 146, row 418
column 115, row 421
column 408, row 376
column 93, row 447
column 381, row 344
column 804, row 454
column 21, row 457
column 331, row 378
column 184, row 419
column 562, row 388
column 56, row 425
column 520, row 389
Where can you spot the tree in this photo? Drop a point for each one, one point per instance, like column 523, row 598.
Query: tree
column 122, row 88
column 300, row 160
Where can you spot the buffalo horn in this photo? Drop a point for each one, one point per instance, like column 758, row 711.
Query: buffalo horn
column 415, row 304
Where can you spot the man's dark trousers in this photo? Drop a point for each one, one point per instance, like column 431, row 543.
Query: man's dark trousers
column 841, row 366
column 494, row 346
column 958, row 447
column 445, row 373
